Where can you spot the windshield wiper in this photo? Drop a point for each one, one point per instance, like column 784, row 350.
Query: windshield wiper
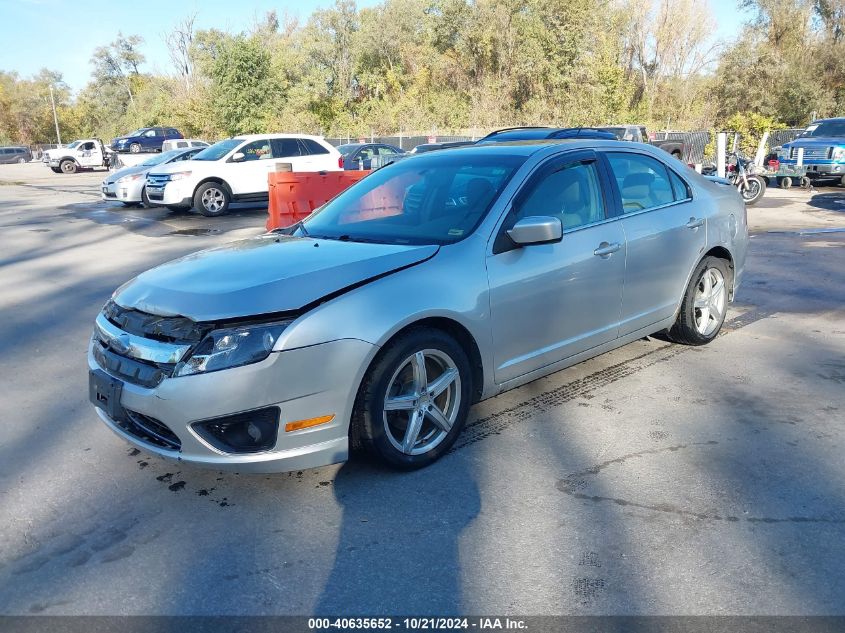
column 289, row 230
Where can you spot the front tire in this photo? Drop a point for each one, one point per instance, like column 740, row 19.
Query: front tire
column 755, row 190
column 135, row 148
column 55, row 170
column 414, row 400
column 705, row 304
column 145, row 201
column 67, row 167
column 211, row 199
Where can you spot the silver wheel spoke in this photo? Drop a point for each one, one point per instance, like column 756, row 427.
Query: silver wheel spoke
column 420, row 376
column 442, row 382
column 704, row 320
column 436, row 416
column 715, row 312
column 700, row 303
column 400, row 403
column 717, row 289
column 412, row 432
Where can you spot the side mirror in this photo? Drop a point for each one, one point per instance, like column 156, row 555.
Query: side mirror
column 536, row 229
column 238, row 157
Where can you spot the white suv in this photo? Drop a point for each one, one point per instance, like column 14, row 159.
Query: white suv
column 236, row 170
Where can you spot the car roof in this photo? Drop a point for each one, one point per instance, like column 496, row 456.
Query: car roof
column 261, row 137
column 835, row 118
column 533, row 146
column 519, row 133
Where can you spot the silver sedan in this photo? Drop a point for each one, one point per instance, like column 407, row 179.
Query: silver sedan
column 431, row 284
column 127, row 185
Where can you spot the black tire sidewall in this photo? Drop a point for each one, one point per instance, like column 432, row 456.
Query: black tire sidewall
column 684, row 330
column 198, row 199
column 369, row 405
column 70, row 171
column 145, row 201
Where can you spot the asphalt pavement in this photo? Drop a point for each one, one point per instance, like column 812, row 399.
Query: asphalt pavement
column 655, row 479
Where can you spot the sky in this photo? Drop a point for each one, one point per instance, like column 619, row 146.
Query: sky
column 62, row 34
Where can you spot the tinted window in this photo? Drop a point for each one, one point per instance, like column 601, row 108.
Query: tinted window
column 643, row 181
column 286, row 147
column 386, row 150
column 433, row 199
column 570, row 194
column 257, row 150
column 679, row 187
column 311, row 147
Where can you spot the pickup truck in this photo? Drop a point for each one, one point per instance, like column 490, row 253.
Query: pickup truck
column 823, row 143
column 83, row 154
column 638, row 134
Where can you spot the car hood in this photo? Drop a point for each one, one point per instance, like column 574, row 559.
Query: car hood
column 263, row 275
column 186, row 165
column 127, row 171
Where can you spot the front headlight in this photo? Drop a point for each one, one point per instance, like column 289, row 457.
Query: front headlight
column 179, row 175
column 838, row 153
column 224, row 349
column 130, row 178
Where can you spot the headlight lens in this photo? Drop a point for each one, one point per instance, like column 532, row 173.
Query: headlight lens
column 838, row 153
column 131, row 177
column 224, row 349
column 179, row 175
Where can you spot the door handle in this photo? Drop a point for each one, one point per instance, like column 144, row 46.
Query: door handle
column 694, row 223
column 606, row 250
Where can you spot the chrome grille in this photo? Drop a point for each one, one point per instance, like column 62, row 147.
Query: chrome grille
column 157, row 180
column 811, row 153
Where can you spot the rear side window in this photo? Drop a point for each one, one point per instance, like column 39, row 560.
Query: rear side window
column 679, row 187
column 643, row 181
column 286, row 147
column 311, row 147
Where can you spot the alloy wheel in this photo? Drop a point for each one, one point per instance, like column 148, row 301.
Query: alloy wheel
column 422, row 402
column 213, row 200
column 710, row 300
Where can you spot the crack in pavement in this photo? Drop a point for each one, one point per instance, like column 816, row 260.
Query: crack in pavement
column 573, row 481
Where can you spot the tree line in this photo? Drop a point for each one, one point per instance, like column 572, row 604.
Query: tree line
column 448, row 65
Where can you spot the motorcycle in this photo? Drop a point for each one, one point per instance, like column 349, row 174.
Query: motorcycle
column 742, row 173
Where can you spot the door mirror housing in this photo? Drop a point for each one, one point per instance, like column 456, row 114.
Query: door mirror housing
column 536, row 229
column 237, row 157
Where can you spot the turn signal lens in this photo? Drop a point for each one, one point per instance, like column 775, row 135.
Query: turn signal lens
column 305, row 424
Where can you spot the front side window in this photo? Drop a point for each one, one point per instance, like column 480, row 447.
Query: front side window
column 150, row 133
column 571, row 194
column 257, row 150
column 433, row 199
column 643, row 181
column 385, row 150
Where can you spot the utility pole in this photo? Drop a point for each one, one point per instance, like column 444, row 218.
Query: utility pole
column 55, row 118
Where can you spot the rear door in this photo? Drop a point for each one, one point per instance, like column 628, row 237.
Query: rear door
column 665, row 232
column 551, row 301
column 315, row 156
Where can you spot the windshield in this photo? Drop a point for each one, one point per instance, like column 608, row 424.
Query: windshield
column 825, row 128
column 160, row 159
column 618, row 132
column 74, row 144
column 434, row 199
column 218, row 150
column 136, row 132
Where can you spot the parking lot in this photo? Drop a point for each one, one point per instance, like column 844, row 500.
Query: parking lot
column 655, row 479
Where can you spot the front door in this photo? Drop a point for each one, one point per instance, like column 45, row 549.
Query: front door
column 88, row 154
column 252, row 173
column 666, row 235
column 552, row 301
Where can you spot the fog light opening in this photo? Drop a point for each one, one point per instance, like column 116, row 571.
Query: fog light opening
column 248, row 432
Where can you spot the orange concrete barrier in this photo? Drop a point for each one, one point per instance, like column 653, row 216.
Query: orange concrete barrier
column 294, row 195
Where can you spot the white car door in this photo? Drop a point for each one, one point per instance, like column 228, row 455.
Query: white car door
column 89, row 155
column 249, row 175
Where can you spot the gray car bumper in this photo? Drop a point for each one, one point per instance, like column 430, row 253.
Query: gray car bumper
column 316, row 381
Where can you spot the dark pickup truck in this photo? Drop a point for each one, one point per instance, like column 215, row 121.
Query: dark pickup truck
column 638, row 134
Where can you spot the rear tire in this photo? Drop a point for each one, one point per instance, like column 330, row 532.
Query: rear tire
column 785, row 183
column 67, row 167
column 21, row 161
column 704, row 305
column 211, row 199
column 428, row 408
